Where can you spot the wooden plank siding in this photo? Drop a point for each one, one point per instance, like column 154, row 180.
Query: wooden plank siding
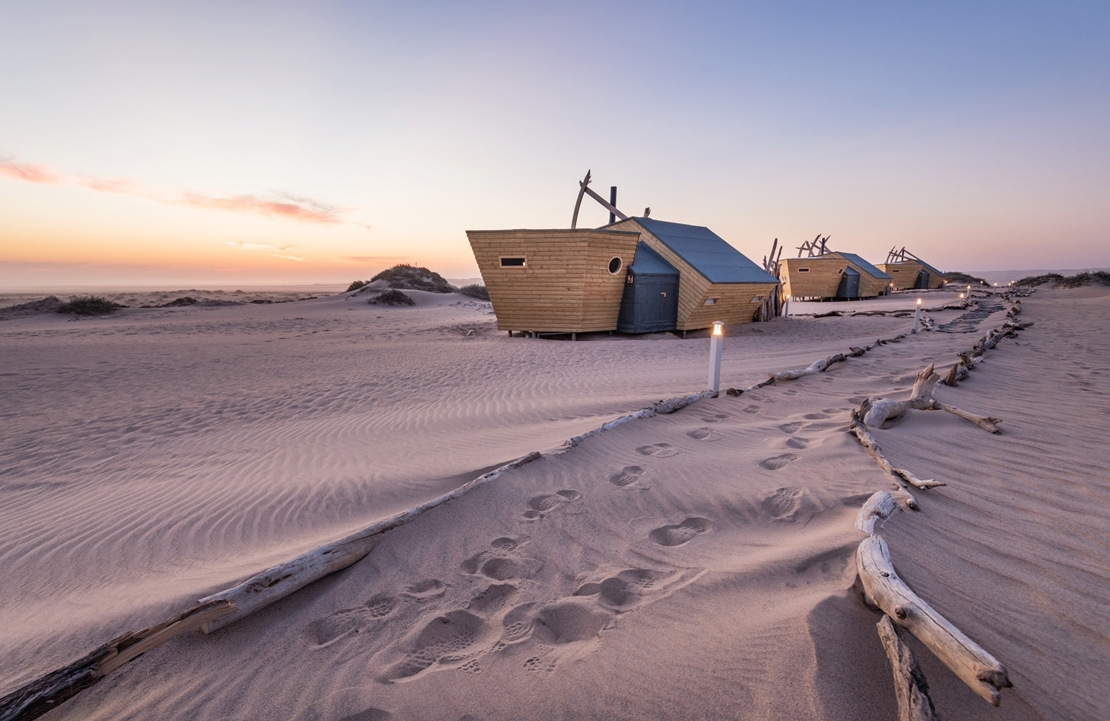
column 734, row 306
column 813, row 277
column 565, row 285
column 819, row 277
column 904, row 274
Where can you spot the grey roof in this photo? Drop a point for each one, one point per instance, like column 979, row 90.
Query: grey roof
column 707, row 252
column 864, row 265
column 648, row 262
column 929, row 268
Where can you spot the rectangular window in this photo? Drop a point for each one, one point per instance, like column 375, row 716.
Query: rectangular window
column 711, row 301
column 513, row 261
column 757, row 299
column 803, row 270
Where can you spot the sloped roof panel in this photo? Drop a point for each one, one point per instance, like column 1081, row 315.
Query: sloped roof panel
column 707, row 252
column 864, row 265
column 648, row 262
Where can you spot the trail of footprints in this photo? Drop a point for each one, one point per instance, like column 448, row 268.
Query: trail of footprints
column 498, row 619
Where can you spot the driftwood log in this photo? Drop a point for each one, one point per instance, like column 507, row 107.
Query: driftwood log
column 47, row 692
column 911, row 691
column 857, row 427
column 882, row 588
column 875, row 413
column 875, row 510
column 818, row 366
column 283, row 579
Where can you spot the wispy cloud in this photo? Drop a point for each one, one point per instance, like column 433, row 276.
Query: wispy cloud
column 277, row 251
column 279, row 205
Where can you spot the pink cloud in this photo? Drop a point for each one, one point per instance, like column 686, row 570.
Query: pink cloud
column 293, row 208
column 30, row 173
column 283, row 205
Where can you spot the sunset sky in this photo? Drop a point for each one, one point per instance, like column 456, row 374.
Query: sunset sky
column 201, row 143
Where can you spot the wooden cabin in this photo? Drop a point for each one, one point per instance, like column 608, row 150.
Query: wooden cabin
column 554, row 281
column 716, row 282
column 832, row 276
column 638, row 275
column 912, row 273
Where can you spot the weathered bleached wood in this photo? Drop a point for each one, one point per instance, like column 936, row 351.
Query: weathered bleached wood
column 875, row 413
column 283, row 579
column 48, row 692
column 883, row 409
column 818, row 366
column 988, row 423
column 884, row 589
column 868, row 441
column 911, row 690
column 876, row 509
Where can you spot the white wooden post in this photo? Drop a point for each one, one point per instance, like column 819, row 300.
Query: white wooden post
column 917, row 317
column 715, row 356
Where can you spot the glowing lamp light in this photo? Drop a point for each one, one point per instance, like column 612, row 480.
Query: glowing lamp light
column 917, row 317
column 715, row 356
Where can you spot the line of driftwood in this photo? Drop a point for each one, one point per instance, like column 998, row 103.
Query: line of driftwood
column 220, row 609
column 226, row 607
column 818, row 366
column 885, row 590
column 47, row 692
column 900, row 313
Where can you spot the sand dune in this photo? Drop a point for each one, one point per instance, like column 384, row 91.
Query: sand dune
column 691, row 565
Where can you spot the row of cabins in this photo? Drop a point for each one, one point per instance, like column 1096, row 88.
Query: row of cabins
column 642, row 275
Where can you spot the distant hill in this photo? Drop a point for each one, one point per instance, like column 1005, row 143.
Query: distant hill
column 411, row 277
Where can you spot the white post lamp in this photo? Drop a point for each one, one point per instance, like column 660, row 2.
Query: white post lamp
column 715, row 340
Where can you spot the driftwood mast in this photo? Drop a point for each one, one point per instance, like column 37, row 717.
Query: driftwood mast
column 585, row 189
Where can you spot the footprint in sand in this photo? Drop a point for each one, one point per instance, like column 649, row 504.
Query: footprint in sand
column 790, row 392
column 783, row 504
column 627, row 476
column 423, row 590
column 751, row 409
column 676, row 535
column 623, row 591
column 492, row 599
column 502, row 564
column 446, row 641
column 704, row 434
column 776, row 462
column 715, row 418
column 539, row 505
column 350, row 620
column 792, row 427
column 815, row 416
column 658, row 450
column 796, row 442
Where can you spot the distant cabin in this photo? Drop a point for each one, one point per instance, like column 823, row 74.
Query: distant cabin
column 913, row 274
column 832, row 276
column 638, row 275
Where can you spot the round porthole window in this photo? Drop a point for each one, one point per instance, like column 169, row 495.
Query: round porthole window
column 615, row 265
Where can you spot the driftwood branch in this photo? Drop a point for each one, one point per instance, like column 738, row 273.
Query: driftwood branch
column 875, row 413
column 875, row 510
column 857, row 427
column 911, row 691
column 46, row 693
column 283, row 579
column 818, row 366
column 884, row 589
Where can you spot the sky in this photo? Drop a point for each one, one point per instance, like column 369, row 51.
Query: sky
column 219, row 143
